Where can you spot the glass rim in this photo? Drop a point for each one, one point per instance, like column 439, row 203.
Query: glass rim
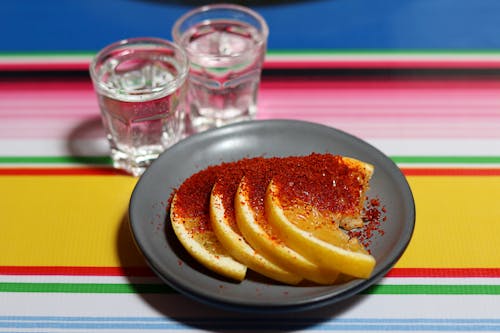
column 133, row 41
column 264, row 31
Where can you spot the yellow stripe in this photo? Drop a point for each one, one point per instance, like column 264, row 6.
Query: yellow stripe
column 82, row 221
column 458, row 222
column 66, row 221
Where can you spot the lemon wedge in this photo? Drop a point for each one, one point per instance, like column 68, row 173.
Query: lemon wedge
column 336, row 254
column 312, row 203
column 260, row 235
column 223, row 219
column 190, row 219
column 203, row 245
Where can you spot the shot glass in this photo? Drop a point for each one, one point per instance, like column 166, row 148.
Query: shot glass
column 226, row 46
column 140, row 85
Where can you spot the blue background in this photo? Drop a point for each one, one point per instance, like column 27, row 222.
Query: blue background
column 88, row 25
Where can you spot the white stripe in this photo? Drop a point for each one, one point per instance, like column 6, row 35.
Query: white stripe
column 79, row 279
column 176, row 305
column 155, row 280
column 438, row 147
column 391, row 147
column 439, row 281
column 54, row 147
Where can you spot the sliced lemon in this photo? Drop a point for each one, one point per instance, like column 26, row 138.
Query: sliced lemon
column 201, row 242
column 314, row 239
column 224, row 225
column 260, row 235
column 354, row 221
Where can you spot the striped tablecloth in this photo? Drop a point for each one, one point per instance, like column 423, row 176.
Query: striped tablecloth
column 67, row 259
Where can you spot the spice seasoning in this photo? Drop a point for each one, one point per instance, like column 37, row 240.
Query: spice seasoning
column 256, row 180
column 373, row 215
column 228, row 180
column 324, row 181
column 193, row 197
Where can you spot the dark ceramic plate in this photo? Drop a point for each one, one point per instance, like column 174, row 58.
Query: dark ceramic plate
column 152, row 232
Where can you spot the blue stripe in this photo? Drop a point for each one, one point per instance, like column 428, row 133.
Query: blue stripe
column 253, row 319
column 379, row 25
column 314, row 324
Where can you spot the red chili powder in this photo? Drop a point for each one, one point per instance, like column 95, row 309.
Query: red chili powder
column 258, row 177
column 373, row 215
column 257, row 180
column 228, row 180
column 193, row 196
column 323, row 180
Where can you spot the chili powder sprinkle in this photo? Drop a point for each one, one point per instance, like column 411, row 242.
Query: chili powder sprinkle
column 373, row 216
column 325, row 181
column 193, row 196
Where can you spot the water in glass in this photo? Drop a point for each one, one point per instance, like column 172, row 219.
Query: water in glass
column 226, row 59
column 142, row 118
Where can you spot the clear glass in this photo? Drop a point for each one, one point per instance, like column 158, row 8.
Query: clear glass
column 226, row 46
column 141, row 86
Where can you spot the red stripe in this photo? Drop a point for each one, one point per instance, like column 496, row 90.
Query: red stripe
column 145, row 271
column 84, row 84
column 451, row 171
column 362, row 82
column 75, row 271
column 71, row 84
column 60, row 171
column 401, row 63
column 282, row 64
column 444, row 272
column 44, row 66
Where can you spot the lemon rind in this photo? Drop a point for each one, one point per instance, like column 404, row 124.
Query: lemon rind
column 238, row 248
column 218, row 261
column 356, row 264
column 286, row 257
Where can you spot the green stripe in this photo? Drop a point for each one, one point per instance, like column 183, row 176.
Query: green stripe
column 105, row 160
column 87, row 53
column 449, row 289
column 91, row 288
column 112, row 288
column 44, row 54
column 56, row 159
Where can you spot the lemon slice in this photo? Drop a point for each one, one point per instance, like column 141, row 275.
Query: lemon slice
column 201, row 242
column 260, row 235
column 365, row 172
column 224, row 225
column 336, row 253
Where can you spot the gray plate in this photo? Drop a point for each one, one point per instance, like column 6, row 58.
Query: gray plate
column 153, row 235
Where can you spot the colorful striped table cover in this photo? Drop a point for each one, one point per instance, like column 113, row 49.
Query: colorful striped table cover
column 68, row 262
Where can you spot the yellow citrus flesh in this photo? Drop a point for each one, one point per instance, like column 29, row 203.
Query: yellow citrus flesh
column 203, row 244
column 354, row 221
column 227, row 232
column 315, row 237
column 260, row 235
column 298, row 233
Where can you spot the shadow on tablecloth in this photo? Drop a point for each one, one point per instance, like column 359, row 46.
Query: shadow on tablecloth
column 196, row 315
column 87, row 144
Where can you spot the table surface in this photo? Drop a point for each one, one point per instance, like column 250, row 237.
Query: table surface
column 425, row 90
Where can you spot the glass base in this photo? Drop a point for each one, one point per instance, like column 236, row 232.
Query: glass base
column 134, row 165
column 198, row 122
